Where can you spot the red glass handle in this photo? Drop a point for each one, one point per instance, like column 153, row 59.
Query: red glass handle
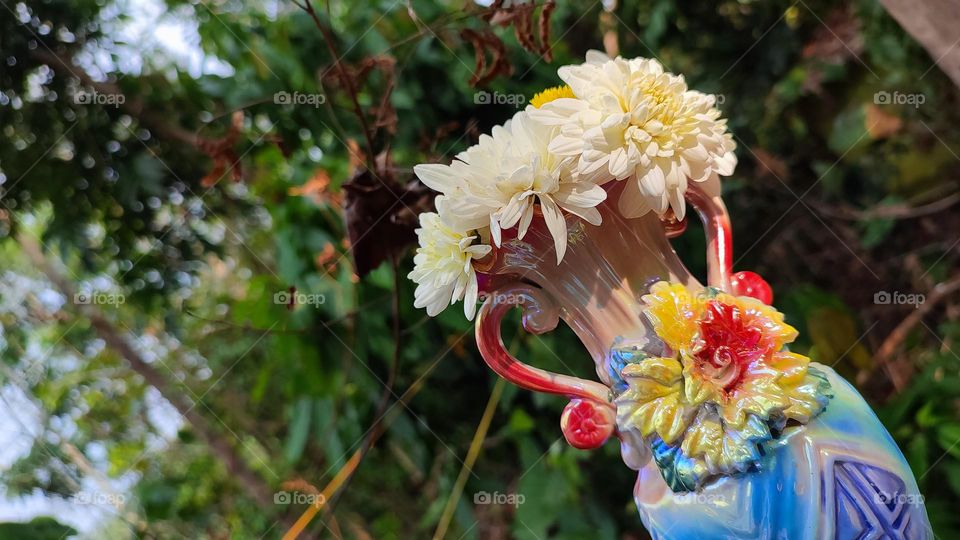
column 716, row 223
column 589, row 419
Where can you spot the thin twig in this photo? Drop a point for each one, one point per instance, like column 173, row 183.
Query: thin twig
column 475, row 446
column 345, row 79
column 896, row 338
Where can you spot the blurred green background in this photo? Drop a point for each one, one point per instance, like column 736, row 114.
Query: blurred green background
column 147, row 162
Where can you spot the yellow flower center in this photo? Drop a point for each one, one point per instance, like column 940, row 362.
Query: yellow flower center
column 549, row 94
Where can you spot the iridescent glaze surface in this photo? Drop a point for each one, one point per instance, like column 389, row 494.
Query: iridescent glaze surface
column 840, row 476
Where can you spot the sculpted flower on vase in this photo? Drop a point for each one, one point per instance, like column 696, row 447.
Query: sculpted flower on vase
column 443, row 267
column 728, row 385
column 633, row 121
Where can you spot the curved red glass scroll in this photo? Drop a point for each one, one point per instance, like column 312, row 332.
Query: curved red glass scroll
column 590, row 418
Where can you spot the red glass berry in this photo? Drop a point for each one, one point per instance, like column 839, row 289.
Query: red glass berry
column 751, row 284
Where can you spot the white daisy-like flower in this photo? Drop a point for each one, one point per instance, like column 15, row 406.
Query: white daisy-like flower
column 443, row 267
column 633, row 121
column 500, row 181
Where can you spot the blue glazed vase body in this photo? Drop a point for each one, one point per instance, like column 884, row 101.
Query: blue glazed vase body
column 839, row 477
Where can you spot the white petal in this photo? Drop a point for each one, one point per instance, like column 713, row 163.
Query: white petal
column 678, row 203
column 633, row 203
column 726, row 164
column 436, row 177
column 590, row 215
column 470, row 297
column 495, row 230
column 555, row 224
column 525, row 221
column 653, row 183
column 566, row 146
column 619, row 165
column 582, row 194
column 596, row 57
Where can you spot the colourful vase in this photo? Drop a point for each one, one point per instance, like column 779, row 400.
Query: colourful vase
column 821, row 467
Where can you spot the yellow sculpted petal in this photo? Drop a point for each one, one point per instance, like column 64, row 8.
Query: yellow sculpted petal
column 791, row 366
column 663, row 370
column 722, row 449
column 673, row 312
column 696, row 388
column 653, row 401
column 759, row 395
column 705, row 439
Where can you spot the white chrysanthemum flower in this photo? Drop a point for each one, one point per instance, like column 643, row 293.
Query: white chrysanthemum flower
column 443, row 267
column 498, row 183
column 632, row 120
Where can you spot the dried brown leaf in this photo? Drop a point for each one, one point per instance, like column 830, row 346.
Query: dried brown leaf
column 222, row 153
column 881, row 124
column 381, row 214
column 483, row 43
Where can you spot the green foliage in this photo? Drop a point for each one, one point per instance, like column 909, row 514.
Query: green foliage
column 830, row 203
column 41, row 528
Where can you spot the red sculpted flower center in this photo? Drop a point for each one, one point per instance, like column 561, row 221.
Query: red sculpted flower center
column 728, row 344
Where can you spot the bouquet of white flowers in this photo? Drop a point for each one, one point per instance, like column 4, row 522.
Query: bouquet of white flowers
column 614, row 120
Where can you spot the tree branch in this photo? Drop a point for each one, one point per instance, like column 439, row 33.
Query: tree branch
column 344, row 79
column 259, row 489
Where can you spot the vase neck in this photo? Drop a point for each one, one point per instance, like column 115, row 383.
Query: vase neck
column 599, row 283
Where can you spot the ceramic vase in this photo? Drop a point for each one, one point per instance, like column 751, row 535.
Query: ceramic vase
column 837, row 476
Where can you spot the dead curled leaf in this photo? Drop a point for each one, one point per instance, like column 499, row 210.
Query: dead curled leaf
column 381, row 214
column 316, row 189
column 359, row 75
column 521, row 15
column 482, row 43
